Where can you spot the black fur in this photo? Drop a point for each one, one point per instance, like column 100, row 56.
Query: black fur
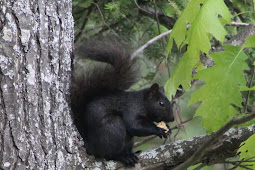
column 107, row 116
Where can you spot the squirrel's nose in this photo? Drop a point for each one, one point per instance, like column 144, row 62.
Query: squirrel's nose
column 170, row 118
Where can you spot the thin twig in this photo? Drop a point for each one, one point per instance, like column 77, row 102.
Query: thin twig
column 232, row 162
column 85, row 20
column 249, row 85
column 179, row 125
column 213, row 138
column 168, row 32
column 154, row 136
column 250, row 159
column 156, row 16
column 102, row 16
column 239, row 163
column 141, row 8
column 236, row 24
column 124, row 16
column 178, row 130
column 144, row 141
column 162, row 40
column 178, row 120
column 147, row 30
column 245, row 167
column 149, row 43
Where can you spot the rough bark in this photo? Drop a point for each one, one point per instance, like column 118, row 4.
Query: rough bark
column 36, row 42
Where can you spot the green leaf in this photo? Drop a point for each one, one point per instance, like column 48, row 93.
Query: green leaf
column 111, row 6
column 221, row 90
column 204, row 25
column 207, row 23
column 247, row 150
column 180, row 27
column 182, row 75
column 249, row 42
column 203, row 21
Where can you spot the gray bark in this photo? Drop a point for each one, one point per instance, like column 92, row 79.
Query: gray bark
column 36, row 42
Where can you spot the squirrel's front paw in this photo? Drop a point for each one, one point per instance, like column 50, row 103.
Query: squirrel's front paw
column 161, row 133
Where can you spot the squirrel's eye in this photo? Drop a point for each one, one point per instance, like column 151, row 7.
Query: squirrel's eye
column 161, row 103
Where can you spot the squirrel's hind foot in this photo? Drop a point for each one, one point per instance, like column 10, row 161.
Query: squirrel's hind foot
column 128, row 160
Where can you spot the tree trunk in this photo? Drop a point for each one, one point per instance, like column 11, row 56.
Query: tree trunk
column 36, row 42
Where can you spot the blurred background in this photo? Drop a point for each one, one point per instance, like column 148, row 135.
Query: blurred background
column 136, row 22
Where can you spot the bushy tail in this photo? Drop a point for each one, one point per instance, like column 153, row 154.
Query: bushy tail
column 118, row 74
column 121, row 72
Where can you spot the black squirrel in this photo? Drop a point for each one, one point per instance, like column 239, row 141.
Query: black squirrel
column 107, row 116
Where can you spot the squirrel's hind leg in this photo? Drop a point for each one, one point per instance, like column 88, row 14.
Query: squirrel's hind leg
column 127, row 157
column 107, row 139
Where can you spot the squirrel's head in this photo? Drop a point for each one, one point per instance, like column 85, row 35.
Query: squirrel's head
column 158, row 107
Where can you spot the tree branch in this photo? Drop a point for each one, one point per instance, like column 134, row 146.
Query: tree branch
column 149, row 43
column 175, row 153
column 213, row 138
column 164, row 20
column 239, row 38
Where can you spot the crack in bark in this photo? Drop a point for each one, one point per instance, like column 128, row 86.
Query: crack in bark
column 3, row 120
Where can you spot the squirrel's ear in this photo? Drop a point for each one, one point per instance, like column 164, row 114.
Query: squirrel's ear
column 161, row 89
column 153, row 90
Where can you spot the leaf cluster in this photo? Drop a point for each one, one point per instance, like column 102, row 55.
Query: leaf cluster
column 221, row 95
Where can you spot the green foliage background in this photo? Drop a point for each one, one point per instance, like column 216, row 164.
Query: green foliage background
column 220, row 91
